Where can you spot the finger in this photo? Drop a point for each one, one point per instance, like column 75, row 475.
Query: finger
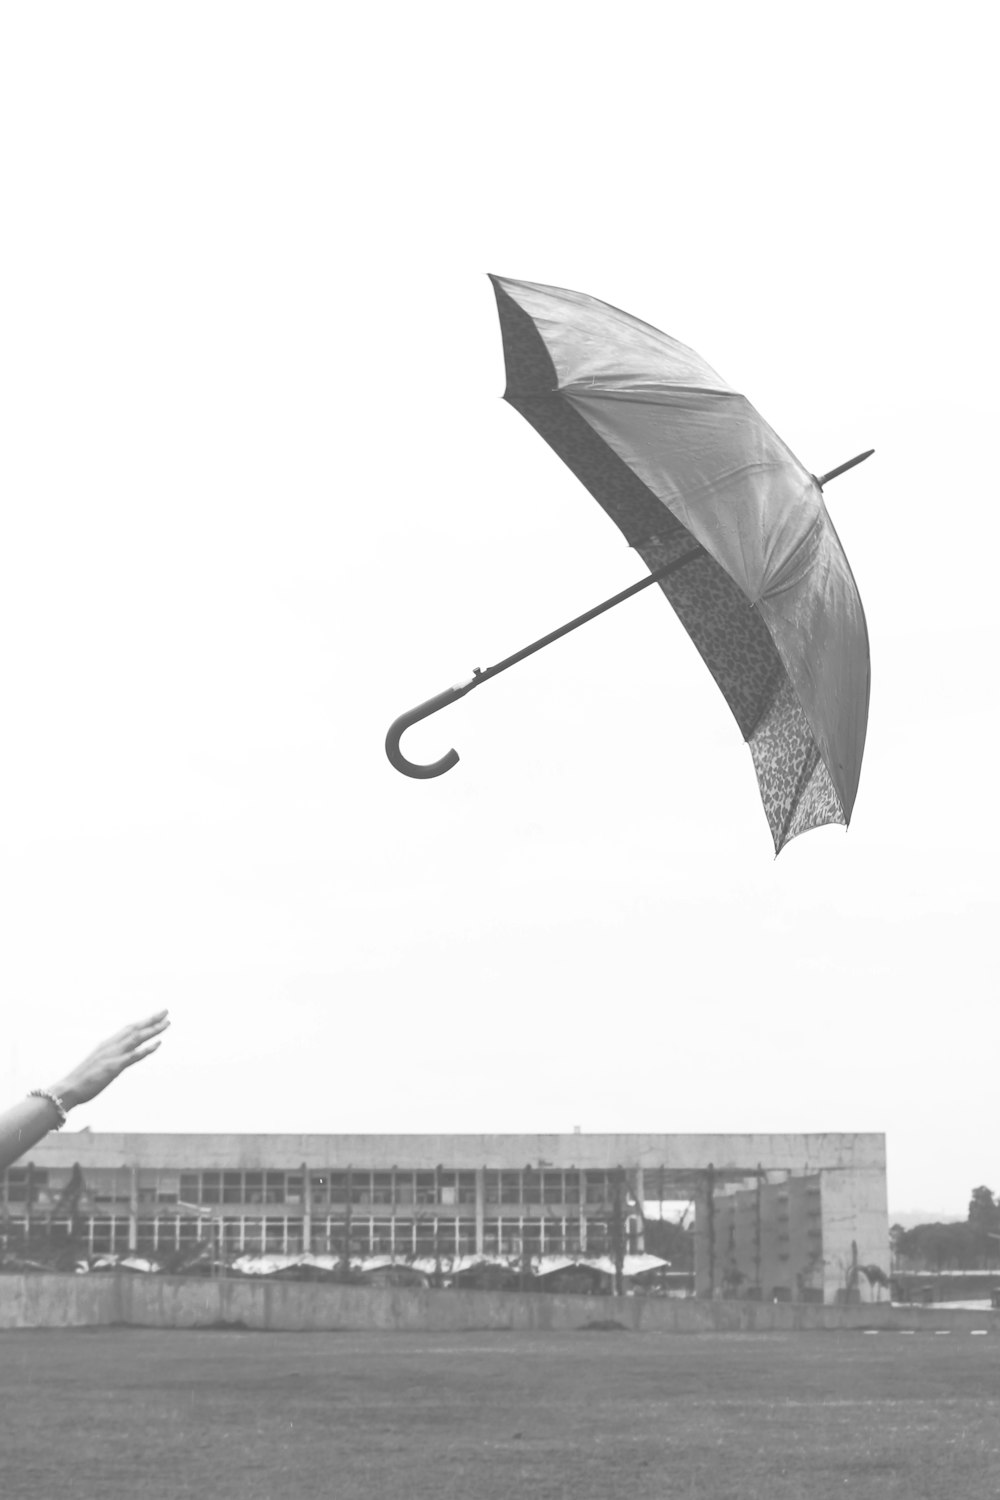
column 139, row 1030
column 139, row 1054
column 154, row 1022
column 143, row 1033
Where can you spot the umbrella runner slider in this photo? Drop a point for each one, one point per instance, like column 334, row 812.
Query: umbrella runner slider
column 459, row 690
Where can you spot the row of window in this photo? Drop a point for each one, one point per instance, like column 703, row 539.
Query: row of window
column 362, row 1188
column 404, row 1238
column 369, row 1188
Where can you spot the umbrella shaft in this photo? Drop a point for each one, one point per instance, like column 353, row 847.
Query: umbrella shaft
column 591, row 614
column 843, row 468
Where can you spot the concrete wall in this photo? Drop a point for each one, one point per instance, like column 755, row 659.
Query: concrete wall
column 729, row 1154
column 175, row 1302
column 855, row 1227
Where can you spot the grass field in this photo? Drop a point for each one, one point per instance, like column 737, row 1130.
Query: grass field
column 143, row 1415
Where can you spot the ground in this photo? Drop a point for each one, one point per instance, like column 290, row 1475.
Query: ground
column 109, row 1413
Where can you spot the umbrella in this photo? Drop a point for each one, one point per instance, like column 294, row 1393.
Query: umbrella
column 732, row 526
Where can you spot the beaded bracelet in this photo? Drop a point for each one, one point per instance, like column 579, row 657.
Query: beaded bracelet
column 54, row 1100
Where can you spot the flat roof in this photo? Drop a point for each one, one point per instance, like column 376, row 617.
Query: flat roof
column 674, row 1155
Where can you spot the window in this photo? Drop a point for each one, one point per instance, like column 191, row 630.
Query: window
column 382, row 1237
column 232, row 1235
column 382, row 1187
column 597, row 1187
column 274, row 1187
column 597, row 1237
column 274, row 1236
column 293, row 1187
column 361, row 1187
column 491, row 1236
column 466, row 1236
column 403, row 1231
column 102, row 1234
column 319, row 1187
column 168, row 1185
column 294, row 1239
column 467, row 1188
column 491, row 1186
column 12, row 1230
column 18, row 1180
column 361, row 1236
column 510, row 1237
column 252, row 1236
column 211, row 1188
column 552, row 1188
column 190, row 1187
column 554, row 1236
column 426, row 1237
column 510, row 1187
column 232, row 1187
column 447, row 1236
column 532, row 1187
column 447, row 1188
column 338, row 1187
column 166, row 1236
column 426, row 1188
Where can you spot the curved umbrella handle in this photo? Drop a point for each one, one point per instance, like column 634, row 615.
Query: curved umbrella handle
column 413, row 716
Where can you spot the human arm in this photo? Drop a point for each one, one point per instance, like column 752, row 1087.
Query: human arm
column 24, row 1125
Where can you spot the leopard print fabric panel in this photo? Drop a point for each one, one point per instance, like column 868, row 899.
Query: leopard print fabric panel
column 731, row 637
column 795, row 784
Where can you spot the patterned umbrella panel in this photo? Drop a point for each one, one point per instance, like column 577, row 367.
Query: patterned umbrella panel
column 693, row 476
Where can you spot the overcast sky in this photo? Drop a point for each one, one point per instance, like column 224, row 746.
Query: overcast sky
column 260, row 495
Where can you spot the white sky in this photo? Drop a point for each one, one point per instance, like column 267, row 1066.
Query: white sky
column 260, row 495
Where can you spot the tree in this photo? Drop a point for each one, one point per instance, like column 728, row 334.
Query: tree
column 671, row 1241
column 984, row 1210
column 984, row 1223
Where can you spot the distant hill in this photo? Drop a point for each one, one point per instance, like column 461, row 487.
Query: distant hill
column 914, row 1216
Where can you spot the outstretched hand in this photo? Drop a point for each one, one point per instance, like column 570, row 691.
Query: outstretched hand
column 128, row 1046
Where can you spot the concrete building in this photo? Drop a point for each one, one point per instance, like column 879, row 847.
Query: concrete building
column 775, row 1216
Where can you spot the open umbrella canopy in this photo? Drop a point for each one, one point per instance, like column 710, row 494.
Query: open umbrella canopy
column 705, row 491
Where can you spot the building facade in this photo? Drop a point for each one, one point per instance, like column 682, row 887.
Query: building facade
column 773, row 1215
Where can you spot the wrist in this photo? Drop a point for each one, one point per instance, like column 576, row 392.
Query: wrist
column 65, row 1092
